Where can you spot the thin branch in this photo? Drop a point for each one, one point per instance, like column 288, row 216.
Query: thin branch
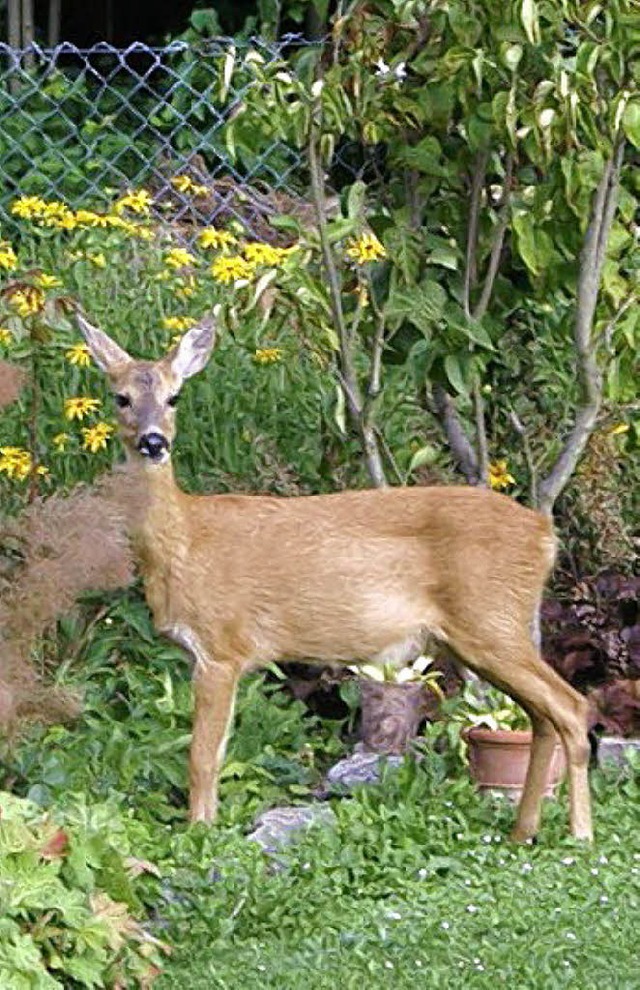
column 481, row 437
column 441, row 406
column 592, row 259
column 348, row 377
column 519, row 427
column 498, row 241
column 470, row 270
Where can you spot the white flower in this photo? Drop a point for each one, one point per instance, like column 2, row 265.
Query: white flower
column 594, row 871
column 418, row 962
column 388, row 964
column 527, row 867
column 422, row 873
column 604, row 899
column 394, row 916
column 471, row 908
column 603, row 859
column 571, row 935
column 486, row 838
column 382, row 69
column 445, row 925
column 568, row 861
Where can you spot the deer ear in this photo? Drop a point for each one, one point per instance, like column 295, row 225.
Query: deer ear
column 105, row 352
column 191, row 354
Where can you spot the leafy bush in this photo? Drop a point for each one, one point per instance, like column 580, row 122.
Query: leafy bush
column 68, row 900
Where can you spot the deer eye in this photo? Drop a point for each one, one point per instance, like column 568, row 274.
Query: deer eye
column 122, row 401
column 173, row 400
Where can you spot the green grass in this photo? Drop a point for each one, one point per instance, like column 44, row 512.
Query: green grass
column 417, row 886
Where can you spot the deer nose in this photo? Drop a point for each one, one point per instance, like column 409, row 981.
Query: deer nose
column 153, row 445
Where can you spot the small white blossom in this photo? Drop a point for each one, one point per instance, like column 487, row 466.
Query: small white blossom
column 604, row 899
column 445, row 925
column 568, row 861
column 487, row 839
column 418, row 962
column 471, row 908
column 527, row 867
column 394, row 916
column 603, row 859
column 422, row 873
column 571, row 935
column 594, row 871
column 388, row 964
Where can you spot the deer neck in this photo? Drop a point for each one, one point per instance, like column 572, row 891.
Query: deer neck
column 160, row 529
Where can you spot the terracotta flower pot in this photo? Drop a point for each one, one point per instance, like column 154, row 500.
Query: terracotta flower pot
column 498, row 760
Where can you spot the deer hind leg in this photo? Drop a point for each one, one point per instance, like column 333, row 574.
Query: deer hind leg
column 215, row 688
column 553, row 705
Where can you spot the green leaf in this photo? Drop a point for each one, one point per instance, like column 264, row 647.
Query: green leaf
column 425, row 455
column 631, row 123
column 355, row 200
column 530, row 23
column 453, row 371
column 421, row 305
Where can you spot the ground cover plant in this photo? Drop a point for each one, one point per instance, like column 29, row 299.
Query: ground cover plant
column 423, row 327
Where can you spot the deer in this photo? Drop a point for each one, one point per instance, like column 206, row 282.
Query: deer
column 360, row 576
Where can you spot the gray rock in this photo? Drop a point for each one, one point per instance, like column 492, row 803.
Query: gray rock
column 613, row 750
column 362, row 767
column 279, row 826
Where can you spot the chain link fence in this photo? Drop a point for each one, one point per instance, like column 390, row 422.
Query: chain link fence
column 81, row 124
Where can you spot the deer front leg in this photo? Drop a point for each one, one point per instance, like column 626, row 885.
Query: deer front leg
column 215, row 688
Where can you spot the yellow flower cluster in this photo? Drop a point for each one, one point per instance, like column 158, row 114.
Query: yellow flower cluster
column 178, row 258
column 184, row 184
column 27, row 301
column 365, row 248
column 230, row 268
column 499, row 476
column 46, row 281
column 95, row 437
column 138, row 202
column 264, row 254
column 78, row 355
column 8, row 259
column 80, row 406
column 178, row 322
column 209, row 237
column 58, row 215
column 5, row 335
column 268, row 355
column 15, row 462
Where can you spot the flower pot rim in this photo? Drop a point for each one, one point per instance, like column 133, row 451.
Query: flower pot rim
column 483, row 733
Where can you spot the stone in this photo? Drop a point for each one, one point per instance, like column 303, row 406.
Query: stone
column 279, row 827
column 362, row 767
column 613, row 750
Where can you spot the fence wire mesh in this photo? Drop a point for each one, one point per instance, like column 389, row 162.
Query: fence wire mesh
column 79, row 124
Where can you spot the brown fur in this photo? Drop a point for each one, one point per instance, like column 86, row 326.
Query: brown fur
column 371, row 576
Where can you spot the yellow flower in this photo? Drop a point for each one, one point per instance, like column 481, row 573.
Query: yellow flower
column 178, row 258
column 95, row 437
column 265, row 254
column 365, row 248
column 137, row 202
column 231, row 268
column 178, row 322
column 89, row 218
column 97, row 259
column 8, row 259
column 60, row 441
column 209, row 237
column 5, row 335
column 618, row 429
column 57, row 214
column 15, row 462
column 80, row 406
column 46, row 281
column 268, row 355
column 184, row 184
column 499, row 476
column 27, row 301
column 78, row 355
column 28, row 207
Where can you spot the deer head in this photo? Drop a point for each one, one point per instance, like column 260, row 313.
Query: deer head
column 146, row 392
